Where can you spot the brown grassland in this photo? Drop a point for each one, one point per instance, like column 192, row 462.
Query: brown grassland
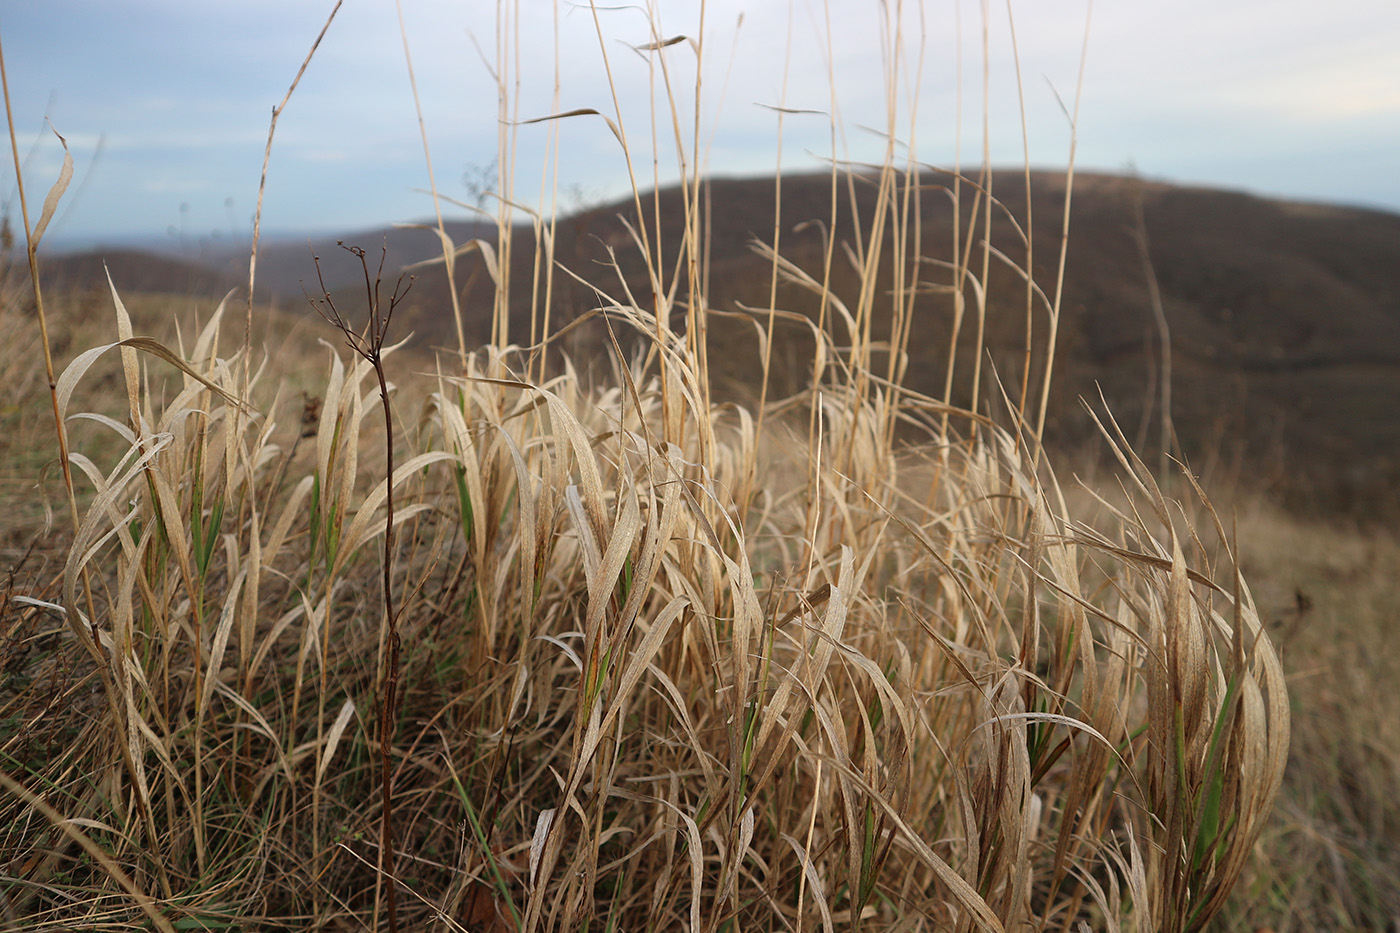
column 301, row 631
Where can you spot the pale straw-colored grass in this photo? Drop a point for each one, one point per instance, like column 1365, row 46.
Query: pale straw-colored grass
column 665, row 664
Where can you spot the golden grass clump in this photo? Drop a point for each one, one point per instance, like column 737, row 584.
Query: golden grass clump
column 645, row 662
column 880, row 701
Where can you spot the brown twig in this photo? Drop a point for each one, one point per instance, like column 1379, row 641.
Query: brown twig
column 369, row 345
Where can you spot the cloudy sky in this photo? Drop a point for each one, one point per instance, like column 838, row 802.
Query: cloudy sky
column 165, row 103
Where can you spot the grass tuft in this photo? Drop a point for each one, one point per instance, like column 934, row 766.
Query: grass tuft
column 628, row 658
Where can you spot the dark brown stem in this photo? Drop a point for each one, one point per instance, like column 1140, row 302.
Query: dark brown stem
column 369, row 345
column 391, row 679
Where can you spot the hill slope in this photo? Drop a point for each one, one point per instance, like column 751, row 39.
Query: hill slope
column 1284, row 318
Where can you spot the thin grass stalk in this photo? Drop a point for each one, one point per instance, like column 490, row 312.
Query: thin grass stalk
column 550, row 180
column 31, row 253
column 959, row 269
column 907, row 263
column 1166, row 438
column 433, row 189
column 984, row 201
column 1029, row 226
column 620, row 130
column 262, row 184
column 769, row 334
column 697, row 255
column 500, row 319
column 687, row 256
column 1052, row 339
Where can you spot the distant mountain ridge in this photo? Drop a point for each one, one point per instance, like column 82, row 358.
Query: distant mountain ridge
column 1284, row 317
column 284, row 266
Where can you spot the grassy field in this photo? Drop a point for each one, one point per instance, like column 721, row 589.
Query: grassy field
column 323, row 635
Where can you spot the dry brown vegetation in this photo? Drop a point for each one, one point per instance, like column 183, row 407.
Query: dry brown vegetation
column 646, row 661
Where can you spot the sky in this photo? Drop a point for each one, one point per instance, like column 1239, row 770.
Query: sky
column 165, row 104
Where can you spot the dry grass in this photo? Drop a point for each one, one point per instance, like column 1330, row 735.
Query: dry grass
column 1328, row 861
column 1326, row 592
column 660, row 664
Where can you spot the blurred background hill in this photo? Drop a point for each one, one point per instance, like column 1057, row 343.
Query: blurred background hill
column 1284, row 317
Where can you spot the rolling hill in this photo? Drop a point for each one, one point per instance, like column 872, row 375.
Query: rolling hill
column 1284, row 318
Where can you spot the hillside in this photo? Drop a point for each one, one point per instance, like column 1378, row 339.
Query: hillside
column 134, row 271
column 1284, row 317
